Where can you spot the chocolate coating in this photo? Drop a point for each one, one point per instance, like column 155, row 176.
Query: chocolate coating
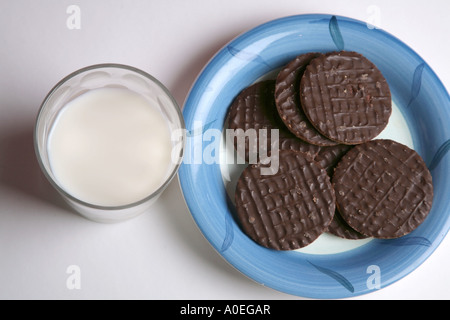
column 289, row 209
column 345, row 97
column 254, row 108
column 340, row 228
column 328, row 158
column 383, row 189
column 287, row 100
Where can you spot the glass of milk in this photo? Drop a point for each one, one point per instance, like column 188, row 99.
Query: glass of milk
column 110, row 139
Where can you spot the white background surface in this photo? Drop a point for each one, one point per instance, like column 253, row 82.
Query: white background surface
column 161, row 254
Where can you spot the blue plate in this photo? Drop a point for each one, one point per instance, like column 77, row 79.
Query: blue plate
column 418, row 94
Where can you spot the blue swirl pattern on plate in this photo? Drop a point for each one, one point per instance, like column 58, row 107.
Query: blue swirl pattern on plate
column 229, row 232
column 439, row 155
column 247, row 56
column 416, row 90
column 407, row 241
column 416, row 83
column 336, row 276
column 335, row 33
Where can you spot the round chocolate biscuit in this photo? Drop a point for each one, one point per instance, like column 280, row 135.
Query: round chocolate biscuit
column 288, row 209
column 287, row 100
column 253, row 115
column 345, row 97
column 328, row 158
column 290, row 142
column 341, row 229
column 383, row 189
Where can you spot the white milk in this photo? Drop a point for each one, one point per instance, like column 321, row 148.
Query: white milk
column 110, row 147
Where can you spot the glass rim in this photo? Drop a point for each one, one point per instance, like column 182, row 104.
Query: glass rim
column 146, row 75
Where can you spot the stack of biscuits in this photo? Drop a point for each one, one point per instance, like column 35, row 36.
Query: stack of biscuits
column 333, row 175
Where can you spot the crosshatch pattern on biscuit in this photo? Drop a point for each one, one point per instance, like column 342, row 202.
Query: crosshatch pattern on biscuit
column 346, row 97
column 287, row 210
column 383, row 189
